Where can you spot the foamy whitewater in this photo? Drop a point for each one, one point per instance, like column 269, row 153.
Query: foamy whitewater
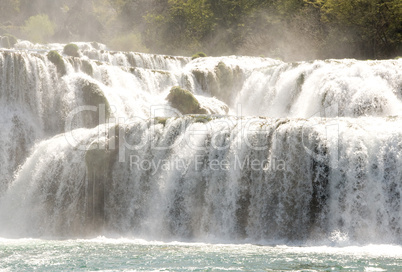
column 290, row 154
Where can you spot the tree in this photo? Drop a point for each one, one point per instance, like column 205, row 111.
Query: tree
column 39, row 28
column 178, row 24
column 371, row 27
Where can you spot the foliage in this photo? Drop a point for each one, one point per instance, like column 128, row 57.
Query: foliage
column 184, row 101
column 39, row 28
column 181, row 25
column 374, row 25
column 285, row 29
column 71, row 49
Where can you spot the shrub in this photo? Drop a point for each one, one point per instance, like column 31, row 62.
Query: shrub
column 39, row 28
column 58, row 61
column 199, row 55
column 184, row 101
column 71, row 50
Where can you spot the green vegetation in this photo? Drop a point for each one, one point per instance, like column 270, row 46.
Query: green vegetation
column 184, row 101
column 71, row 50
column 57, row 60
column 39, row 28
column 285, row 29
column 199, row 55
column 371, row 26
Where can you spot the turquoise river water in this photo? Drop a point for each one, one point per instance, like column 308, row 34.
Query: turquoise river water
column 102, row 254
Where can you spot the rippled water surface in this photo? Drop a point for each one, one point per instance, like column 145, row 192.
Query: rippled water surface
column 103, row 254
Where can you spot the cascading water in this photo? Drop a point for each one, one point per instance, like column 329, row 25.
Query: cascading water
column 309, row 150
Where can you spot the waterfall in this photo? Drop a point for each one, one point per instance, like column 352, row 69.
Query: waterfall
column 289, row 151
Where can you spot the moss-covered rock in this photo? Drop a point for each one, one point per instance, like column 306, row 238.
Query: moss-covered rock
column 199, row 55
column 223, row 83
column 300, row 80
column 202, row 118
column 224, row 73
column 199, row 77
column 58, row 61
column 161, row 120
column 86, row 67
column 207, row 81
column 229, row 82
column 93, row 96
column 184, row 101
column 225, row 78
column 71, row 50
